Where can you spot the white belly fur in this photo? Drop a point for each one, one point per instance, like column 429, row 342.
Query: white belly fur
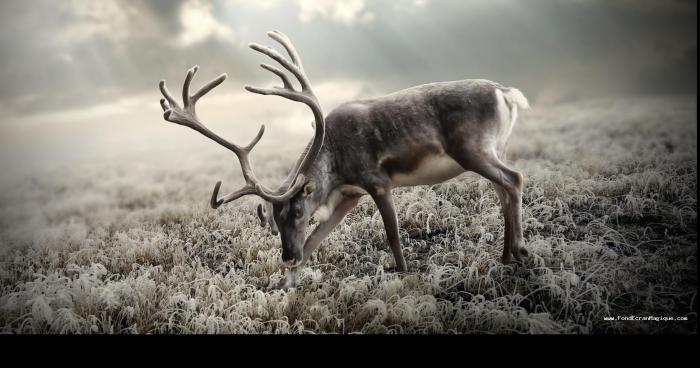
column 432, row 170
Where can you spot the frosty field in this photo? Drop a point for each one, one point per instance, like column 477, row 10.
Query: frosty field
column 129, row 245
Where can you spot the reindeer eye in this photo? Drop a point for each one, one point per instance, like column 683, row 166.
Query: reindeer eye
column 298, row 212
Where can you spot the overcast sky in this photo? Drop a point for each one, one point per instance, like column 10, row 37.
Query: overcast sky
column 99, row 62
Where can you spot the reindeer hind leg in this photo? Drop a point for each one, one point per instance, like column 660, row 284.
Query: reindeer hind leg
column 508, row 184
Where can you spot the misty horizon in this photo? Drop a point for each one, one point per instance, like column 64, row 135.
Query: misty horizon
column 81, row 77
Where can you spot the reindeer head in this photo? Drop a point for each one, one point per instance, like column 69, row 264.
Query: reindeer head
column 292, row 217
column 291, row 203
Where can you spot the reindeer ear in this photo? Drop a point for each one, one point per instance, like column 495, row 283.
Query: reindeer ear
column 261, row 215
column 309, row 188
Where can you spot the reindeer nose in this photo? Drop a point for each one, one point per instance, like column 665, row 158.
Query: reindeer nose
column 291, row 256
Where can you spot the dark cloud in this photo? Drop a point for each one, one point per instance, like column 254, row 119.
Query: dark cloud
column 53, row 56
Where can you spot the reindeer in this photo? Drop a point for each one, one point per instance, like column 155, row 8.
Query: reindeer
column 422, row 135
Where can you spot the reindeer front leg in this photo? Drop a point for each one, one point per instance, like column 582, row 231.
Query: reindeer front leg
column 391, row 224
column 317, row 236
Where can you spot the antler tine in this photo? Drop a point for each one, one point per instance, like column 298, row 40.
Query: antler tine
column 171, row 103
column 216, row 202
column 279, row 73
column 255, row 140
column 164, row 105
column 287, row 44
column 186, row 86
column 276, row 56
column 258, row 190
column 283, row 92
column 208, row 87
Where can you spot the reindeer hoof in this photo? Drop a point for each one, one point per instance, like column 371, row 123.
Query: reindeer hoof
column 523, row 252
column 507, row 259
column 401, row 267
column 283, row 285
column 392, row 269
column 519, row 255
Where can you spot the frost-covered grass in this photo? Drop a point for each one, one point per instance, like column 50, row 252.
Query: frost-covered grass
column 610, row 217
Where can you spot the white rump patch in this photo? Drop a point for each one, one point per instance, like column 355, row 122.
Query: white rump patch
column 514, row 99
column 517, row 98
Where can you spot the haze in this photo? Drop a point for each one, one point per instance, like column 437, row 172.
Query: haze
column 80, row 77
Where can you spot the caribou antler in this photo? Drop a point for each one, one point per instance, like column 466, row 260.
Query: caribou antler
column 187, row 116
column 305, row 96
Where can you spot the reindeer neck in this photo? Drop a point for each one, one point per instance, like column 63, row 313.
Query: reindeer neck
column 322, row 174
